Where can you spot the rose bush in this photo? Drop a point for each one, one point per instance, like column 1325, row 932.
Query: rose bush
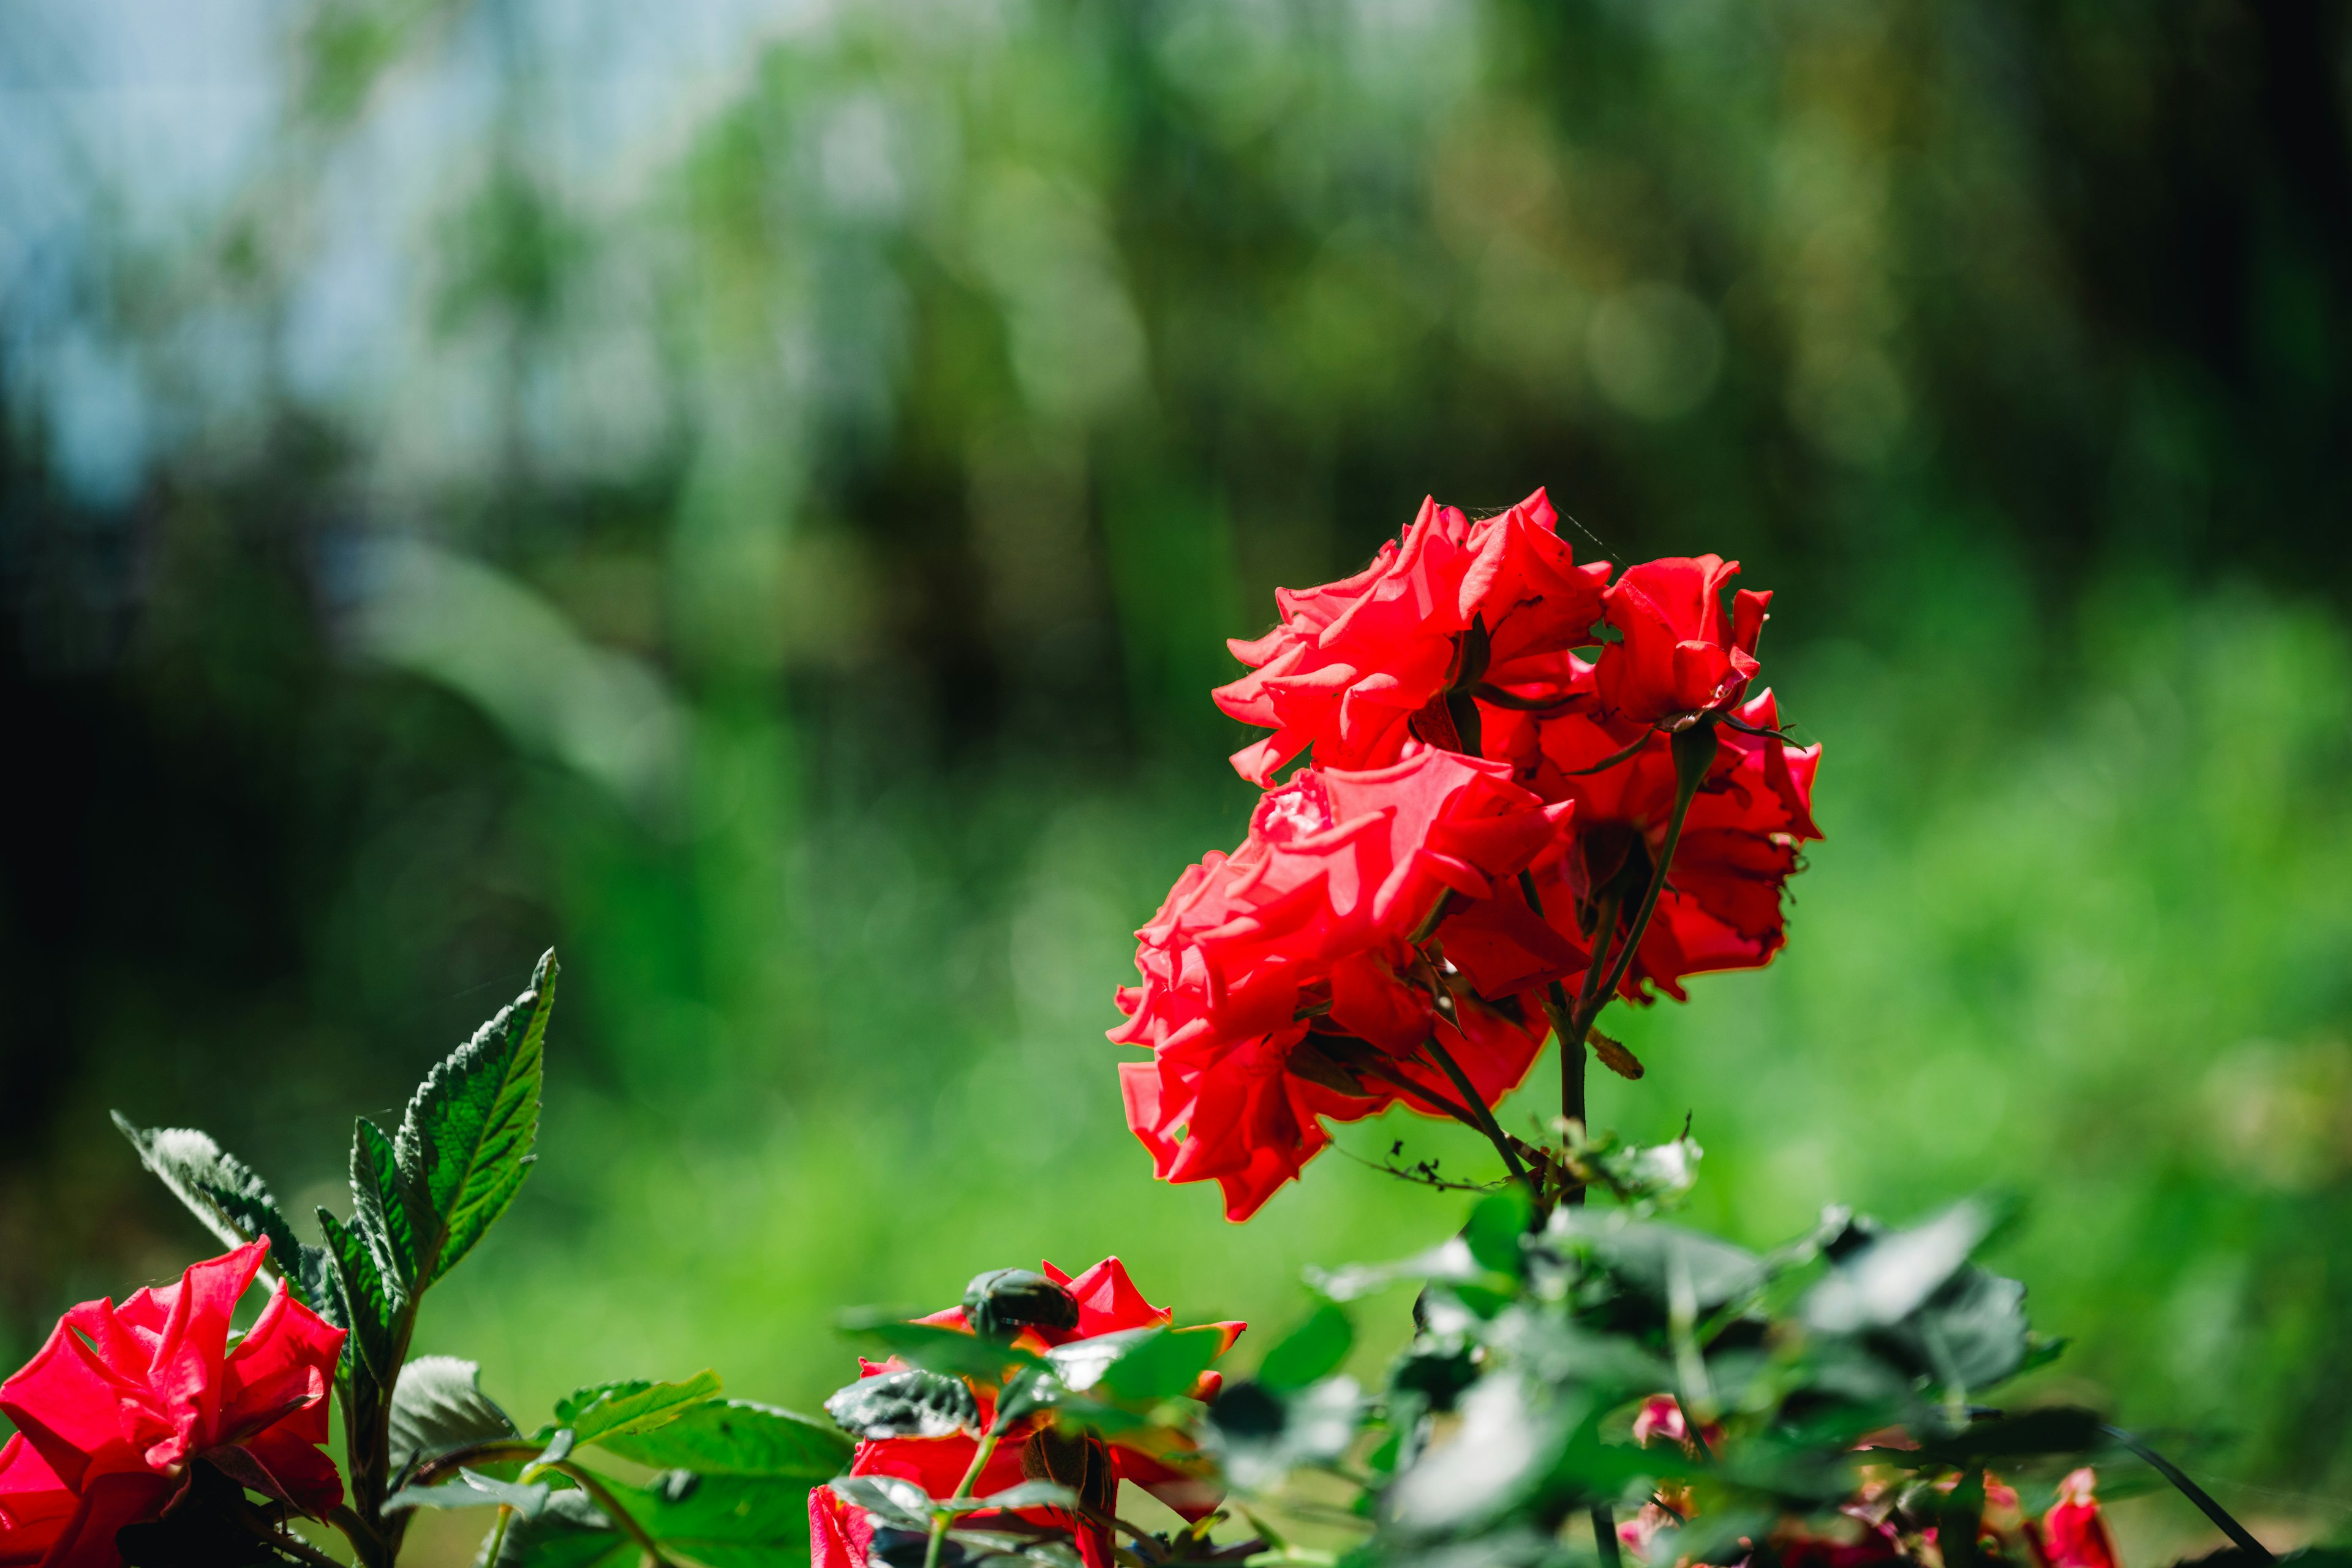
column 1530, row 792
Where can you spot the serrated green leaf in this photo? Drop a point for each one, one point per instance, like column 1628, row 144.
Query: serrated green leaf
column 437, row 1407
column 944, row 1350
column 464, row 1144
column 379, row 1205
column 738, row 1437
column 627, row 1408
column 372, row 1308
column 234, row 1203
column 1309, row 1352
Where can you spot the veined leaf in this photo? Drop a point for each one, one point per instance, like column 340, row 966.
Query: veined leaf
column 909, row 1404
column 234, row 1203
column 894, row 1499
column 626, row 1409
column 718, row 1521
column 571, row 1532
column 738, row 1437
column 464, row 1144
column 722, row 1521
column 380, row 1210
column 473, row 1490
column 370, row 1305
column 438, row 1406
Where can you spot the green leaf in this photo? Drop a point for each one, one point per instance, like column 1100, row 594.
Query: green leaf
column 909, row 1404
column 471, row 1489
column 722, row 1521
column 1309, row 1352
column 571, row 1532
column 1161, row 1363
column 937, row 1349
column 464, row 1144
column 437, row 1407
column 1495, row 1229
column 625, row 1409
column 379, row 1205
column 890, row 1499
column 371, row 1307
column 234, row 1203
column 738, row 1437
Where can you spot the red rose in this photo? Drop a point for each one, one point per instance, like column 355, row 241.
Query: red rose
column 1310, row 927
column 1243, row 1113
column 1109, row 1302
column 121, row 1398
column 1721, row 908
column 1679, row 653
column 839, row 1534
column 1359, row 667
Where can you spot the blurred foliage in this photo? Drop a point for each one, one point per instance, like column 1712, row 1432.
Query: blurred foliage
column 751, row 493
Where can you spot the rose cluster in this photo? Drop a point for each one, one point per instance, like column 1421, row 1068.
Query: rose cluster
column 1529, row 789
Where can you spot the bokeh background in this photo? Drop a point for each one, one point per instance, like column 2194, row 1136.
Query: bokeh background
column 750, row 492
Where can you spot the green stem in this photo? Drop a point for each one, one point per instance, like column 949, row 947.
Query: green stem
column 1481, row 1118
column 1604, row 1535
column 1562, row 1016
column 980, row 1458
column 1694, row 751
column 602, row 1496
column 497, row 1540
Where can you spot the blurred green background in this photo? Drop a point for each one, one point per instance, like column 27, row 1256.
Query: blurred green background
column 750, row 492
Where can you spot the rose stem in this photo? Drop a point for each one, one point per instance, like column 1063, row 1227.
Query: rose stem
column 1692, row 758
column 980, row 1458
column 1483, row 1119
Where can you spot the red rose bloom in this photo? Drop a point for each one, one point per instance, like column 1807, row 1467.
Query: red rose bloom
column 1679, row 653
column 1310, row 927
column 121, row 1398
column 1109, row 1302
column 1359, row 667
column 1721, row 908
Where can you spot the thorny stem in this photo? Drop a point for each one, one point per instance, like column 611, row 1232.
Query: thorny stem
column 1484, row 1120
column 1390, row 1075
column 282, row 1539
column 980, row 1458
